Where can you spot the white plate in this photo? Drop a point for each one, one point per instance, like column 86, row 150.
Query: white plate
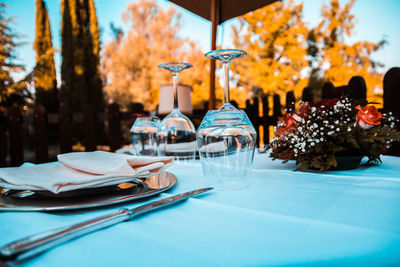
column 113, row 195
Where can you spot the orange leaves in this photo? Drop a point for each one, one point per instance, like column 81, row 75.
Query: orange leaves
column 130, row 63
column 274, row 37
column 286, row 54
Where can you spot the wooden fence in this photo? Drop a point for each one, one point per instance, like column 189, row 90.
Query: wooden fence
column 105, row 128
column 62, row 125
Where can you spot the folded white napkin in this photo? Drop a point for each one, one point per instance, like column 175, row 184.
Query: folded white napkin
column 80, row 170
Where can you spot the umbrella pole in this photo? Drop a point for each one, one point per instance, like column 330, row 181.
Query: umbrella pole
column 215, row 5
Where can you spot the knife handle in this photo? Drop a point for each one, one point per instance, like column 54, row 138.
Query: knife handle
column 35, row 244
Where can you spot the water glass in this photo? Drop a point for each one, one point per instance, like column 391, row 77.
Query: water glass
column 144, row 136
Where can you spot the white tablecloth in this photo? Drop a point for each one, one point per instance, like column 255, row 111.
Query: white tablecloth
column 284, row 217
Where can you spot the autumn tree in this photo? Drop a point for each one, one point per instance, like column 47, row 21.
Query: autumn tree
column 197, row 77
column 333, row 59
column 274, row 38
column 286, row 54
column 10, row 90
column 45, row 79
column 131, row 60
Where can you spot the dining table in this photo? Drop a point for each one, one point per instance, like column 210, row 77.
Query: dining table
column 284, row 217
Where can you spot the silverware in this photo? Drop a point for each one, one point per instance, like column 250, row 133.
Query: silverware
column 4, row 192
column 14, row 193
column 30, row 246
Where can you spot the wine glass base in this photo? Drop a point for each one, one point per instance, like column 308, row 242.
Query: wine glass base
column 225, row 55
column 175, row 67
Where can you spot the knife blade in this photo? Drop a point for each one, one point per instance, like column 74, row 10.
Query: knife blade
column 30, row 246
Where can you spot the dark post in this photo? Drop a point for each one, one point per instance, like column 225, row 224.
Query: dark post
column 290, row 101
column 357, row 89
column 276, row 109
column 327, row 90
column 252, row 112
column 3, row 139
column 308, row 95
column 65, row 128
column 249, row 110
column 265, row 120
column 391, row 100
column 341, row 91
column 256, row 118
column 114, row 126
column 89, row 121
column 40, row 134
column 391, row 91
column 16, row 142
column 215, row 18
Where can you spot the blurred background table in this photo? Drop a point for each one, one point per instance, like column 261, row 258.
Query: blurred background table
column 284, row 217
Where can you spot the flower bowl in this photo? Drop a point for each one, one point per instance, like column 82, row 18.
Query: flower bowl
column 333, row 134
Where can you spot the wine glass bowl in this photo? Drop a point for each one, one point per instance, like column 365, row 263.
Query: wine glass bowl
column 176, row 135
column 226, row 138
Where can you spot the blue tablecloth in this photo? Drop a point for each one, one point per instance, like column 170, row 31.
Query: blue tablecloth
column 284, row 217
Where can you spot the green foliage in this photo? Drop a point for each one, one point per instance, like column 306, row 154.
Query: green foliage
column 81, row 82
column 68, row 86
column 45, row 71
column 10, row 90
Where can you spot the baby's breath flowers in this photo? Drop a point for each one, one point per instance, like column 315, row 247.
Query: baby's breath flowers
column 317, row 132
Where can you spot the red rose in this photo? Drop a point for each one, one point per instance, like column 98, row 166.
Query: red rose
column 368, row 116
column 286, row 123
column 302, row 110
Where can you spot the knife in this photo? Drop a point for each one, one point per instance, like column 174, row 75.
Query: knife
column 30, row 246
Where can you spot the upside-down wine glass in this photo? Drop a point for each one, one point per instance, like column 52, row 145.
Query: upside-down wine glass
column 176, row 135
column 226, row 138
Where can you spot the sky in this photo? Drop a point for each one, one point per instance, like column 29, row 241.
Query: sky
column 375, row 20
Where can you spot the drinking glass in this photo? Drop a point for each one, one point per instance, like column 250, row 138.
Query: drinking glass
column 144, row 136
column 226, row 138
column 176, row 135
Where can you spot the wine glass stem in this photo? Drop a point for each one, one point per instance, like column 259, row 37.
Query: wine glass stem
column 226, row 86
column 175, row 82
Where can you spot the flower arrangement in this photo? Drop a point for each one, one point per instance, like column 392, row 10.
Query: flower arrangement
column 316, row 133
